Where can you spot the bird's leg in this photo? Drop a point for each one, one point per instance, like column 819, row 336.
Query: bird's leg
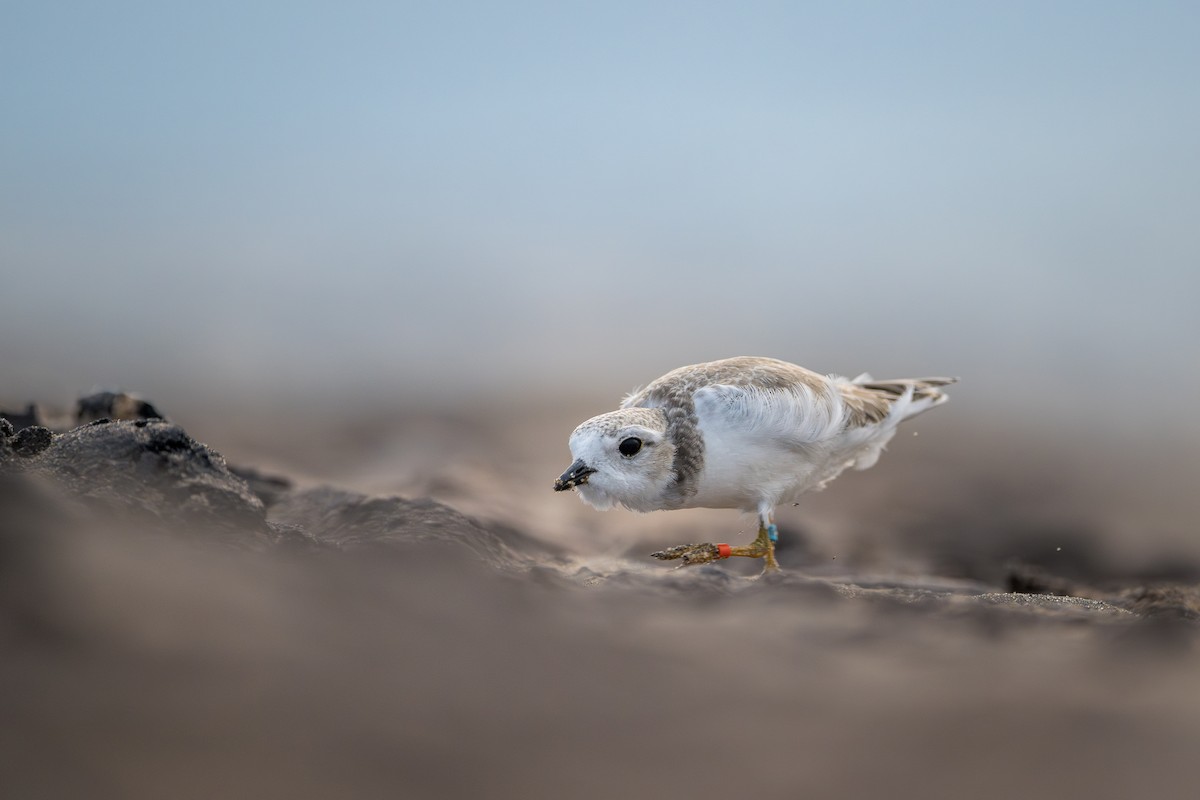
column 761, row 547
column 771, row 534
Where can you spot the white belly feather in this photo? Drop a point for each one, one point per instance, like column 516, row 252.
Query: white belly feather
column 762, row 449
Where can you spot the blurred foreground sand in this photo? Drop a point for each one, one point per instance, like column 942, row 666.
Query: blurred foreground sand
column 147, row 663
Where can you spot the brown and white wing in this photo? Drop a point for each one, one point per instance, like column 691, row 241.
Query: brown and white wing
column 870, row 402
column 745, row 372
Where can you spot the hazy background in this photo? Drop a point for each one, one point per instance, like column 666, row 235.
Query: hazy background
column 421, row 198
column 404, row 248
column 266, row 207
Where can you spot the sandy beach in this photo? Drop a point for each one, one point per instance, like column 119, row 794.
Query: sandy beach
column 469, row 633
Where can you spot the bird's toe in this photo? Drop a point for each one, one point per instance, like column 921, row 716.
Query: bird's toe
column 690, row 554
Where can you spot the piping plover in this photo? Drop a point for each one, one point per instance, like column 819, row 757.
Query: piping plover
column 746, row 433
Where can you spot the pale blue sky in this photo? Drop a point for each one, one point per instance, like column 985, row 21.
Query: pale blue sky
column 422, row 197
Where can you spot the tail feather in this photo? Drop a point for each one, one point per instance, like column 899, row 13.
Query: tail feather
column 898, row 385
column 871, row 401
column 922, row 388
column 885, row 404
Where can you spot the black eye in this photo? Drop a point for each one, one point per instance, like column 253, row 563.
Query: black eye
column 630, row 447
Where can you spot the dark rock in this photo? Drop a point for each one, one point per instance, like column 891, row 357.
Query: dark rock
column 31, row 441
column 155, row 470
column 6, row 432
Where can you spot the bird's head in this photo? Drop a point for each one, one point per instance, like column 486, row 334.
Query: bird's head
column 621, row 457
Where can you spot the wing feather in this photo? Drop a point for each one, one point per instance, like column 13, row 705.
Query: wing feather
column 796, row 417
column 788, row 402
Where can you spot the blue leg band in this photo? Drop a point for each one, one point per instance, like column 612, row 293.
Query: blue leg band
column 773, row 532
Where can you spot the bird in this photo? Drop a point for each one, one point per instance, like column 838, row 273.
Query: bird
column 748, row 433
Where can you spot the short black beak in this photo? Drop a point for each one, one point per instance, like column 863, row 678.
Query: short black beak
column 576, row 475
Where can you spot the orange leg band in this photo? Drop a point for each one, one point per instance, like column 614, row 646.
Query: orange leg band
column 724, row 550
